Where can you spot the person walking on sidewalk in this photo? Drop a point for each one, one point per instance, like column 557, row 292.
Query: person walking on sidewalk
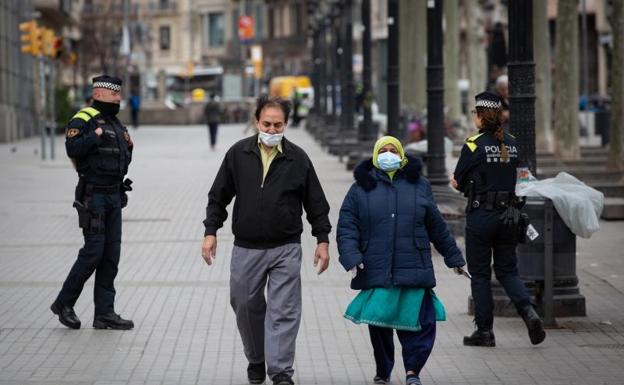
column 212, row 114
column 486, row 174
column 386, row 222
column 101, row 150
column 272, row 179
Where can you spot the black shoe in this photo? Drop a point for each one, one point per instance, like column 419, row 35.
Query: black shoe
column 534, row 325
column 282, row 379
column 66, row 315
column 256, row 373
column 481, row 337
column 112, row 321
column 380, row 380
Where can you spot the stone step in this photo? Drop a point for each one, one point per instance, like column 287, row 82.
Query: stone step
column 589, row 175
column 610, row 189
column 613, row 209
column 585, row 152
column 552, row 162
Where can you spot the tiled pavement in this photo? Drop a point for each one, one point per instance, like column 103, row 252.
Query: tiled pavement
column 185, row 332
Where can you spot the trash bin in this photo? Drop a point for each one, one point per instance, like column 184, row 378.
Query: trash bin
column 532, row 255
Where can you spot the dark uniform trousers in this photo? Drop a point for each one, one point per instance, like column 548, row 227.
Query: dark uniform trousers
column 485, row 239
column 100, row 253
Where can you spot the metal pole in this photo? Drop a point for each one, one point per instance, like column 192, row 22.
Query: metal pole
column 436, row 157
column 367, row 128
column 335, row 69
column 549, row 268
column 585, row 62
column 347, row 54
column 42, row 101
column 322, row 55
column 522, row 80
column 316, row 60
column 52, row 98
column 393, row 70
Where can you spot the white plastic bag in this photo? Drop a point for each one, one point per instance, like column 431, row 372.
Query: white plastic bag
column 578, row 205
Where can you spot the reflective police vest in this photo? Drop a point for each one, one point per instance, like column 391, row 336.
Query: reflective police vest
column 113, row 155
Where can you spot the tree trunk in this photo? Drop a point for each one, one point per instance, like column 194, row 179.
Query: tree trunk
column 567, row 81
column 413, row 55
column 616, row 154
column 477, row 59
column 543, row 79
column 451, row 60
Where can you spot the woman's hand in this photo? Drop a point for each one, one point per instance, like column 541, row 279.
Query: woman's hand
column 459, row 270
column 353, row 271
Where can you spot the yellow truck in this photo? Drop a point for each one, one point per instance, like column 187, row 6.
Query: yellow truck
column 289, row 86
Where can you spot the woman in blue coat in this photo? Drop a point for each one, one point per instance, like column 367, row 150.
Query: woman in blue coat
column 385, row 227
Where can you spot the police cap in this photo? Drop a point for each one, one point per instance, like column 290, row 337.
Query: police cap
column 488, row 99
column 109, row 82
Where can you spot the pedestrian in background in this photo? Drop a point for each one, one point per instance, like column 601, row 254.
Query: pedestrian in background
column 386, row 222
column 212, row 114
column 135, row 108
column 101, row 150
column 486, row 174
column 272, row 179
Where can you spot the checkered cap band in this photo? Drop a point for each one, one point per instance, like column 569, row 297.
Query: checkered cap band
column 110, row 86
column 488, row 103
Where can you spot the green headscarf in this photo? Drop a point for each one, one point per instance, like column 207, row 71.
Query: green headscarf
column 384, row 140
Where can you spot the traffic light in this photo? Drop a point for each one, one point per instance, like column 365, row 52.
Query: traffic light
column 47, row 39
column 31, row 37
column 52, row 44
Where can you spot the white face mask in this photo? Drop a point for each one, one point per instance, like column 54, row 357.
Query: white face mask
column 271, row 140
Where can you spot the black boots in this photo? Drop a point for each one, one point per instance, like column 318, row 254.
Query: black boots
column 533, row 324
column 256, row 373
column 112, row 321
column 481, row 337
column 66, row 315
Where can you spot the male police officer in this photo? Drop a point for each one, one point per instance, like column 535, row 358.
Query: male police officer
column 101, row 150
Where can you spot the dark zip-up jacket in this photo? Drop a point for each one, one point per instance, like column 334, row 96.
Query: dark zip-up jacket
column 268, row 214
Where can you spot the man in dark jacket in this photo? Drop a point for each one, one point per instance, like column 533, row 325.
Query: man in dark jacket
column 212, row 113
column 272, row 180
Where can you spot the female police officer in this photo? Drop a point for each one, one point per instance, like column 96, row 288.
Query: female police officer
column 486, row 174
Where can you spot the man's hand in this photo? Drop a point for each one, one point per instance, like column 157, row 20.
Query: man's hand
column 454, row 183
column 209, row 249
column 321, row 255
column 99, row 131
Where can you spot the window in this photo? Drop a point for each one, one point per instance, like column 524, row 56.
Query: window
column 165, row 37
column 213, row 29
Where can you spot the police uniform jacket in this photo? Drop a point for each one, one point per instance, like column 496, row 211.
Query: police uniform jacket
column 107, row 155
column 480, row 160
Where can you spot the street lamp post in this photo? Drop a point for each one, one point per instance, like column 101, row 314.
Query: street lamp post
column 436, row 168
column 521, row 68
column 347, row 86
column 394, row 102
column 366, row 130
column 450, row 203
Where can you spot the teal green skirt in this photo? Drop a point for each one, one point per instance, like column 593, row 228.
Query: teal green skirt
column 394, row 307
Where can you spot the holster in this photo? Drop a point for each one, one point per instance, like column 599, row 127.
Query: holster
column 89, row 221
column 123, row 189
column 514, row 221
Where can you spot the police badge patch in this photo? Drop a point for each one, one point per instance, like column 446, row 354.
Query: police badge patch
column 72, row 132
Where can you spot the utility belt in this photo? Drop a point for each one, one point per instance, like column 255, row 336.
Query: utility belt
column 512, row 220
column 90, row 221
column 496, row 200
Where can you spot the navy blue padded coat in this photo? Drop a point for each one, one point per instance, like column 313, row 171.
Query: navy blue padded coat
column 388, row 225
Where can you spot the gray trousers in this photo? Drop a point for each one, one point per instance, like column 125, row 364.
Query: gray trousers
column 268, row 326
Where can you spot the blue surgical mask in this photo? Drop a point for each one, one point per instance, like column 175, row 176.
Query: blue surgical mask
column 271, row 140
column 388, row 161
